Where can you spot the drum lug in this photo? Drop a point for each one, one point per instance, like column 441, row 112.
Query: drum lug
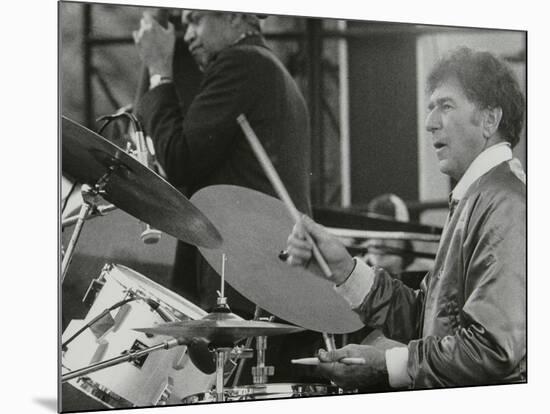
column 181, row 359
column 165, row 392
column 93, row 290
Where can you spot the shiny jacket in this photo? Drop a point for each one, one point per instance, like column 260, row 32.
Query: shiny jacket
column 466, row 325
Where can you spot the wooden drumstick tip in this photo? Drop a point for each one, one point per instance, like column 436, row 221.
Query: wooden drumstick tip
column 315, row 361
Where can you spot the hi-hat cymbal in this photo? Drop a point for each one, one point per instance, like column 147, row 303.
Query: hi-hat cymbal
column 219, row 328
column 255, row 228
column 132, row 187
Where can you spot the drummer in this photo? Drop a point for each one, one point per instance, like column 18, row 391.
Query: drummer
column 205, row 146
column 466, row 324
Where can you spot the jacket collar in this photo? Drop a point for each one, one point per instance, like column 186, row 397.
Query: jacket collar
column 484, row 162
column 251, row 38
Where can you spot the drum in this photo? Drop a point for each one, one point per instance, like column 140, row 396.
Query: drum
column 159, row 378
column 265, row 392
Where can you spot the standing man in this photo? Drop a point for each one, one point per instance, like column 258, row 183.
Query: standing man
column 466, row 324
column 206, row 145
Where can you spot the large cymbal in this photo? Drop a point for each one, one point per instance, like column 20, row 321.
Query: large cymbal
column 132, row 187
column 255, row 228
column 219, row 328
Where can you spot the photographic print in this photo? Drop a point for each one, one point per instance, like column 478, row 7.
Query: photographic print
column 271, row 206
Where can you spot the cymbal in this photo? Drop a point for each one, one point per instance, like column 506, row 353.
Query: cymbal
column 353, row 219
column 219, row 328
column 132, row 187
column 255, row 228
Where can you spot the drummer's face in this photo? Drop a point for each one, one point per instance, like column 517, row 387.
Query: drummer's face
column 207, row 33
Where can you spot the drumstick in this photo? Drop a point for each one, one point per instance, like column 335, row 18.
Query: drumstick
column 316, row 361
column 280, row 189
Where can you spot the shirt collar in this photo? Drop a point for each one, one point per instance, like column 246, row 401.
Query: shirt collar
column 485, row 161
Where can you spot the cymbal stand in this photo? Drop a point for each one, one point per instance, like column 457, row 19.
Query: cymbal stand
column 329, row 341
column 91, row 198
column 130, row 356
column 222, row 354
column 99, row 212
column 260, row 372
column 257, row 312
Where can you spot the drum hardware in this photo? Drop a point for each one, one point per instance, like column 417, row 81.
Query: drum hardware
column 260, row 372
column 224, row 356
column 219, row 328
column 129, row 356
column 221, row 356
column 132, row 293
column 257, row 312
column 99, row 211
column 90, row 197
column 329, row 341
column 266, row 391
column 132, row 187
column 99, row 317
column 150, row 378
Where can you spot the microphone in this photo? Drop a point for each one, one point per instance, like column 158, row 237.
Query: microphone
column 144, row 155
column 155, row 306
column 148, row 235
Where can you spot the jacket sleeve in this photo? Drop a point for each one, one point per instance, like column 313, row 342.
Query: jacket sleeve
column 393, row 307
column 490, row 342
column 189, row 149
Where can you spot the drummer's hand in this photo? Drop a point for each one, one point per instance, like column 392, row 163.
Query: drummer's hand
column 155, row 45
column 373, row 372
column 300, row 250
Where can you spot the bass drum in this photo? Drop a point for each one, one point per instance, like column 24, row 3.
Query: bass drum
column 265, row 392
column 160, row 378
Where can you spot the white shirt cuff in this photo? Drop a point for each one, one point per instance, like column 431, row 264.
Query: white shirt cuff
column 396, row 364
column 357, row 285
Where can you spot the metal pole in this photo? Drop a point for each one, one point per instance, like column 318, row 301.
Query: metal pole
column 345, row 164
column 68, row 256
column 87, row 66
column 118, row 360
column 220, row 362
column 315, row 85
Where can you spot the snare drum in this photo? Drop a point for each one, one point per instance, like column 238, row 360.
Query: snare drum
column 159, row 378
column 265, row 392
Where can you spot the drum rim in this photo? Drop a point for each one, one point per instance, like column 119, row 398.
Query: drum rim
column 101, row 393
column 156, row 290
column 245, row 392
